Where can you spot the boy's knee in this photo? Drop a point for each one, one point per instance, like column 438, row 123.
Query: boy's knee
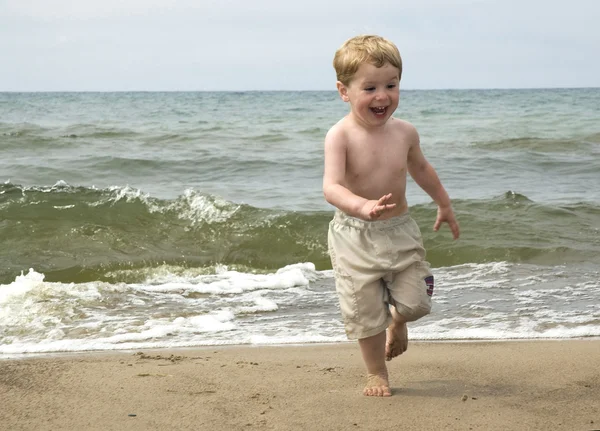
column 410, row 314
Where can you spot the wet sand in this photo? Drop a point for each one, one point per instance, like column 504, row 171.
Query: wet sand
column 532, row 385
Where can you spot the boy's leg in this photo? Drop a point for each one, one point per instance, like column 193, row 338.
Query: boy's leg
column 355, row 260
column 410, row 299
column 373, row 351
column 409, row 283
column 397, row 335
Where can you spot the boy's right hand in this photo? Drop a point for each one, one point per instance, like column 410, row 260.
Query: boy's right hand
column 372, row 210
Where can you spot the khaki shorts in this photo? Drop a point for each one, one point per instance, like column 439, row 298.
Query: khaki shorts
column 377, row 263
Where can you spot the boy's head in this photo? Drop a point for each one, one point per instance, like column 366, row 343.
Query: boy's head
column 362, row 49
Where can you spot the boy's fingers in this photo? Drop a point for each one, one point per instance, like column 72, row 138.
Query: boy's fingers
column 455, row 229
column 376, row 211
column 436, row 225
column 385, row 207
column 381, row 207
column 384, row 198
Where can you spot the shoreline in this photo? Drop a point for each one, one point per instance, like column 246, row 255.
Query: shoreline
column 486, row 385
column 69, row 354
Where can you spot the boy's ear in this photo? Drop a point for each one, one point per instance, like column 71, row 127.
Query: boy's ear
column 343, row 90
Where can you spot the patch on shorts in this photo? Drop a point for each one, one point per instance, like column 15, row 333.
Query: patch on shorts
column 429, row 283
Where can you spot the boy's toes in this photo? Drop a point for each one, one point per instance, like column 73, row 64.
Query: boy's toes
column 397, row 341
column 377, row 386
column 382, row 391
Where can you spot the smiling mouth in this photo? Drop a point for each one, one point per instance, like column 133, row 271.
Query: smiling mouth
column 379, row 111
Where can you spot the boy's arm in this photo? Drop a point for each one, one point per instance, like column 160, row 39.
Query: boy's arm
column 334, row 183
column 426, row 177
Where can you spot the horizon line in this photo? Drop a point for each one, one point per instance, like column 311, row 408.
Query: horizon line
column 298, row 91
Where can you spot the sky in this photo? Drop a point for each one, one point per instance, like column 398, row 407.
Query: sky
column 245, row 45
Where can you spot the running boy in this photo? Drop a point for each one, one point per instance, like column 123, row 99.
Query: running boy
column 376, row 249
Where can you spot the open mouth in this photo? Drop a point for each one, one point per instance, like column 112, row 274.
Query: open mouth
column 379, row 111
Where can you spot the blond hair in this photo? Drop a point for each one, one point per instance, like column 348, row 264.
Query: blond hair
column 372, row 49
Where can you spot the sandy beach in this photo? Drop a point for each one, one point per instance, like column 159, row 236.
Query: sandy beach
column 533, row 385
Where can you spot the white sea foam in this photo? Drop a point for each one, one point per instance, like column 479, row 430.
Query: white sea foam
column 192, row 206
column 178, row 307
column 201, row 208
column 225, row 281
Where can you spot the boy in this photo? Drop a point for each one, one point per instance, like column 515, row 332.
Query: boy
column 376, row 249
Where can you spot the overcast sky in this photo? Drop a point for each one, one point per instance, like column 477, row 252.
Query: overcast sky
column 126, row 45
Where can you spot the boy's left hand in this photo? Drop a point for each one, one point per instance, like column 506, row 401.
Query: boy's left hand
column 445, row 214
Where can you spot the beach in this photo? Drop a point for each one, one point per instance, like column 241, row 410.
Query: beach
column 523, row 385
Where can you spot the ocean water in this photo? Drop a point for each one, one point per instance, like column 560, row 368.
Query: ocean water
column 139, row 220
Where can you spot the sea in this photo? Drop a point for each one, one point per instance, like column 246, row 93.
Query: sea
column 181, row 219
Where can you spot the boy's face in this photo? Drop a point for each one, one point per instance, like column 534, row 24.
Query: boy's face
column 373, row 94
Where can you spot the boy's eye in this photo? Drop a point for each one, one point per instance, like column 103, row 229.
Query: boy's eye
column 370, row 89
column 391, row 86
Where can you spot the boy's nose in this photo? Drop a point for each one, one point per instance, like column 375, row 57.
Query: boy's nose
column 381, row 95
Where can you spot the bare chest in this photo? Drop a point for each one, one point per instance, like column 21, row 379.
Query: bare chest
column 386, row 157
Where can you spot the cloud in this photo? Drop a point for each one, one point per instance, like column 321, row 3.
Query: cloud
column 273, row 44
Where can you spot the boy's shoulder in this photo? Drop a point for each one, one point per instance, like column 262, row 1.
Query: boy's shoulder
column 405, row 129
column 402, row 125
column 338, row 131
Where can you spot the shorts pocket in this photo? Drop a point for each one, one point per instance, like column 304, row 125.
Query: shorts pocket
column 424, row 275
column 344, row 285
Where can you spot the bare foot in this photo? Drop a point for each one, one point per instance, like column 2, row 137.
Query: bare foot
column 377, row 386
column 397, row 340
